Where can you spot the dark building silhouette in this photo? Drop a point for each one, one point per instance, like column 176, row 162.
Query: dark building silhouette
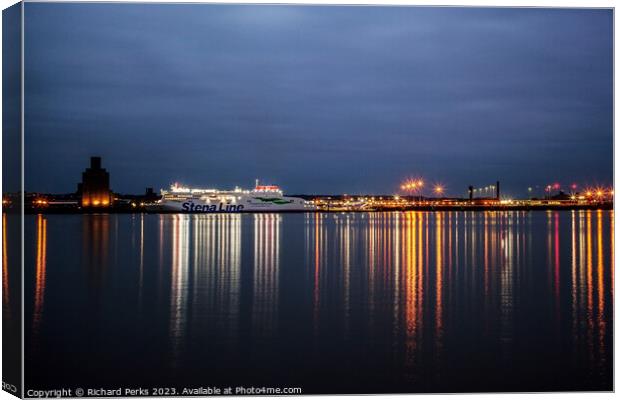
column 95, row 187
column 497, row 190
column 150, row 193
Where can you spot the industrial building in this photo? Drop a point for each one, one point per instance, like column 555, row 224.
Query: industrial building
column 94, row 190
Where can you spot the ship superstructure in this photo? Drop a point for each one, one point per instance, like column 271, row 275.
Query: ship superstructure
column 267, row 198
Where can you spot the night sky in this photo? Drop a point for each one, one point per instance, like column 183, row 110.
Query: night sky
column 317, row 99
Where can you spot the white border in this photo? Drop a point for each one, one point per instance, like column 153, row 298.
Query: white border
column 477, row 3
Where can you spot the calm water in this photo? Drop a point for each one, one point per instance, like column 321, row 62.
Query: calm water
column 377, row 302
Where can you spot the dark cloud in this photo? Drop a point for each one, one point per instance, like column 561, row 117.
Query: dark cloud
column 318, row 99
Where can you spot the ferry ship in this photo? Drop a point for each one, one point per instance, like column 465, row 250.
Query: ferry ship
column 263, row 198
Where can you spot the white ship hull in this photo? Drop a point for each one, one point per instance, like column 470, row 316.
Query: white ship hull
column 261, row 199
column 201, row 206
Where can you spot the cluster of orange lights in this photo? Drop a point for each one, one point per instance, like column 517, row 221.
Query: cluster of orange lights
column 40, row 202
column 416, row 185
column 412, row 185
column 599, row 192
column 589, row 192
column 96, row 203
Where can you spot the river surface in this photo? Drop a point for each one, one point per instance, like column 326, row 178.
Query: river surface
column 329, row 303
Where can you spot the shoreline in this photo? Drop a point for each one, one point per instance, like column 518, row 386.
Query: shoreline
column 435, row 208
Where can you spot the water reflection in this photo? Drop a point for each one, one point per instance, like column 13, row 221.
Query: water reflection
column 439, row 278
column 347, row 239
column 413, row 291
column 205, row 275
column 506, row 267
column 266, row 273
column 5, row 267
column 410, row 299
column 141, row 267
column 411, row 262
column 574, row 262
column 217, row 274
column 612, row 249
column 179, row 286
column 601, row 320
column 95, row 248
column 40, row 271
column 316, row 247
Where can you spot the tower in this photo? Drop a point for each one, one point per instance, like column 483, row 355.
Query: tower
column 95, row 187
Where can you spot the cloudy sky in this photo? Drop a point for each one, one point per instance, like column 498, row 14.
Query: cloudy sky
column 317, row 99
